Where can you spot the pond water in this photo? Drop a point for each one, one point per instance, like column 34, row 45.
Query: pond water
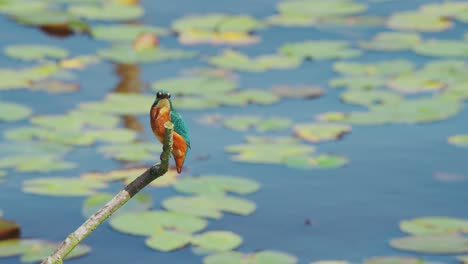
column 346, row 213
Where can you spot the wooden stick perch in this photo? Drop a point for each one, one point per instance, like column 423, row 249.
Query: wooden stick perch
column 113, row 205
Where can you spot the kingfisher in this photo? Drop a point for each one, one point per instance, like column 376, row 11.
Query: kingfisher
column 161, row 112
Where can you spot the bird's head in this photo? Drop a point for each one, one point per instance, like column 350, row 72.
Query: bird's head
column 163, row 99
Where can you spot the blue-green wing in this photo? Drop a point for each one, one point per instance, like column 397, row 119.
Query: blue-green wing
column 180, row 126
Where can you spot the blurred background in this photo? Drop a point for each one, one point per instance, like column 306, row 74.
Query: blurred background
column 321, row 130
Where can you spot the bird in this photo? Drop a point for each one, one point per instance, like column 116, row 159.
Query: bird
column 161, row 112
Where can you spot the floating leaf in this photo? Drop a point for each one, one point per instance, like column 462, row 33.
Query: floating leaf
column 434, row 226
column 148, row 223
column 324, row 161
column 35, row 52
column 394, row 260
column 392, row 41
column 321, row 9
column 443, row 48
column 317, row 132
column 241, row 123
column 274, row 124
column 371, row 97
column 260, row 257
column 414, row 20
column 320, row 50
column 57, row 186
column 433, row 244
column 209, row 206
column 13, row 112
column 138, row 203
column 127, row 55
column 121, row 104
column 386, row 68
column 35, row 250
column 107, row 12
column 232, row 38
column 165, row 241
column 142, row 151
column 217, row 22
column 359, row 82
column 298, row 92
column 124, row 33
column 217, row 240
column 216, row 185
column 195, row 85
column 459, row 140
column 413, row 83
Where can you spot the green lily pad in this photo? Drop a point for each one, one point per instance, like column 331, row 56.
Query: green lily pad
column 8, row 229
column 120, row 104
column 331, row 262
column 217, row 22
column 57, row 186
column 323, row 161
column 385, row 68
column 447, row 71
column 359, row 82
column 241, row 123
column 141, row 151
column 446, row 9
column 138, row 203
column 321, row 9
column 245, row 97
column 260, row 257
column 418, row 21
column 13, row 112
column 214, row 37
column 195, row 85
column 434, row 226
column 21, row 6
column 17, row 79
column 317, row 132
column 307, row 92
column 234, row 60
column 168, row 240
column 127, row 55
column 443, row 48
column 414, row 83
column 217, row 240
column 393, row 260
column 274, row 124
column 320, row 50
column 269, row 150
column 148, row 223
column 209, row 206
column 35, row 163
column 216, row 185
column 459, row 140
column 124, row 33
column 35, row 52
column 32, row 250
column 107, row 12
column 432, row 244
column 371, row 97
column 392, row 41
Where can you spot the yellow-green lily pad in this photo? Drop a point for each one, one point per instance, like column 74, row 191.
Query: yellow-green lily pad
column 200, row 85
column 432, row 244
column 434, row 226
column 217, row 240
column 317, row 132
column 217, row 22
column 392, row 41
column 148, row 223
column 414, row 83
column 418, row 21
column 127, row 55
column 320, row 50
column 13, row 112
column 124, row 33
column 209, row 206
column 459, row 140
column 138, row 203
column 139, row 151
column 216, row 185
column 62, row 186
column 370, row 97
column 107, row 12
column 385, row 68
column 443, row 48
column 35, row 52
column 168, row 240
column 321, row 9
column 259, row 257
column 307, row 92
column 393, row 260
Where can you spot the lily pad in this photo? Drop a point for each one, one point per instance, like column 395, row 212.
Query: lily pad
column 107, row 12
column 35, row 52
column 384, row 69
column 138, row 203
column 418, row 21
column 274, row 124
column 434, row 226
column 260, row 257
column 371, row 97
column 214, row 37
column 196, row 85
column 359, row 82
column 323, row 161
column 167, row 240
column 269, row 150
column 392, row 41
column 124, row 33
column 414, row 83
column 57, row 186
column 121, row 104
column 209, row 205
column 432, row 244
column 459, row 140
column 127, row 55
column 217, row 22
column 241, row 123
column 320, row 50
column 307, row 92
column 317, row 132
column 217, row 240
column 321, row 9
column 216, row 185
column 443, row 48
column 148, row 223
column 13, row 112
column 139, row 151
column 394, row 260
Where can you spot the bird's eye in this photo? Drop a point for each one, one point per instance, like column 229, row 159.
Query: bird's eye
column 159, row 95
column 168, row 95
